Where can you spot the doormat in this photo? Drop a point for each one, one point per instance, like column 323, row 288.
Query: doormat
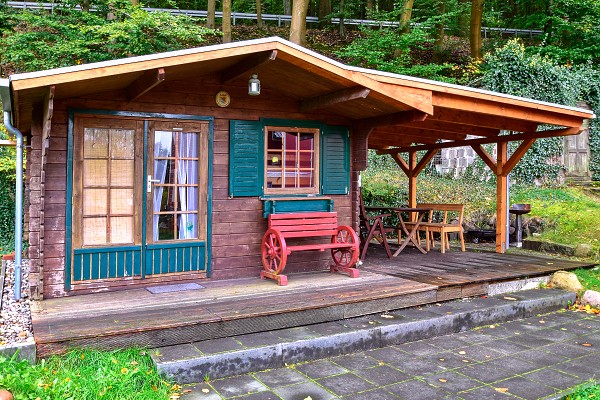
column 178, row 287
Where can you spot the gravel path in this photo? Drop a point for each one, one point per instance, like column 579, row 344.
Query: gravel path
column 15, row 316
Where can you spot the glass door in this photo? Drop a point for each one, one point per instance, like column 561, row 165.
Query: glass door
column 176, row 188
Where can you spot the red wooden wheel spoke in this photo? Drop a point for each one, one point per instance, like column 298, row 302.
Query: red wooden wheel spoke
column 273, row 252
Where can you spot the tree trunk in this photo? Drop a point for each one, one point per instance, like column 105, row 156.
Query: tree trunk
column 475, row 32
column 342, row 26
column 298, row 26
column 463, row 19
column 370, row 6
column 85, row 6
column 210, row 14
column 287, row 10
column 226, row 25
column 324, row 11
column 406, row 15
column 259, row 20
column 439, row 33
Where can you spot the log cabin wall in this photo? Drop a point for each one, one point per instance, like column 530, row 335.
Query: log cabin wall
column 237, row 223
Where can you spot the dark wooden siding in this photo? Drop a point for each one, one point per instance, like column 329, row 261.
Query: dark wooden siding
column 238, row 224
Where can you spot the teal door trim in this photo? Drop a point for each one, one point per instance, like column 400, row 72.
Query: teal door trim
column 104, row 253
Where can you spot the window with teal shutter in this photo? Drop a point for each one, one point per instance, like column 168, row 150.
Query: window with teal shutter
column 335, row 160
column 246, row 158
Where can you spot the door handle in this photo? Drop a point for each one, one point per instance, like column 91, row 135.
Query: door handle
column 149, row 183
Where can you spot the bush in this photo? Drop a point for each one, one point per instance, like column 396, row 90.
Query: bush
column 514, row 71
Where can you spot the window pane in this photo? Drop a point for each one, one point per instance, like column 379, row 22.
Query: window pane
column 121, row 145
column 307, row 179
column 94, row 202
column 121, row 230
column 168, row 199
column 121, row 173
column 166, row 228
column 95, row 172
column 188, row 228
column 95, row 143
column 121, row 201
column 94, row 231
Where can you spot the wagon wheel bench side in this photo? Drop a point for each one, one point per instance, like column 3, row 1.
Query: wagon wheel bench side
column 344, row 243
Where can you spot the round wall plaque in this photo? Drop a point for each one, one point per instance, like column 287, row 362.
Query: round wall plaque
column 222, row 99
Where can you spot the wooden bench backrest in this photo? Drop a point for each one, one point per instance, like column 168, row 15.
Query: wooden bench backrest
column 295, row 225
column 444, row 209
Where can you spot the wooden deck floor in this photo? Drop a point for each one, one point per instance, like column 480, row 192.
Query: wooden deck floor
column 234, row 307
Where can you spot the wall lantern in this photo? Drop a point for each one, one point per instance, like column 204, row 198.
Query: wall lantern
column 254, row 85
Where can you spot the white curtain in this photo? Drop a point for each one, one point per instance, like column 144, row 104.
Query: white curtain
column 162, row 148
column 187, row 173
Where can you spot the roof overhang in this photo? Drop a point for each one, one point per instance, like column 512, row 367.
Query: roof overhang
column 392, row 110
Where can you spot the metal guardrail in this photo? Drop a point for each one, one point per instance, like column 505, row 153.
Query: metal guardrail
column 275, row 17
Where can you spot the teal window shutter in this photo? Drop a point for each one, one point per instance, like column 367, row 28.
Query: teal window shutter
column 246, row 154
column 335, row 160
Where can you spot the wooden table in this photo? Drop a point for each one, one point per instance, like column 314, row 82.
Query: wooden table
column 411, row 236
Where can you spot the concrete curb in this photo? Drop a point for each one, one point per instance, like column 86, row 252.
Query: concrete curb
column 26, row 351
column 397, row 327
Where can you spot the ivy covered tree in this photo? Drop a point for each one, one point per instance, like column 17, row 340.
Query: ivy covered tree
column 513, row 70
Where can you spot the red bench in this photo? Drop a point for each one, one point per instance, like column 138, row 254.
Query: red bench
column 343, row 242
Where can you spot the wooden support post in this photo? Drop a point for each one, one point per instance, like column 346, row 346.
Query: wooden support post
column 501, row 202
column 412, row 179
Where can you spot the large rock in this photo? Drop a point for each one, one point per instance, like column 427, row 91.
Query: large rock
column 565, row 280
column 592, row 298
column 583, row 250
column 5, row 395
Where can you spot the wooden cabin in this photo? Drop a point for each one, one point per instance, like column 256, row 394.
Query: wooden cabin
column 162, row 168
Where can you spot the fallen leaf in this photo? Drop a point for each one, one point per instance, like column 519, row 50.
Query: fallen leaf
column 462, row 352
column 187, row 391
column 205, row 390
column 501, row 390
column 440, row 278
column 587, row 344
column 443, row 380
column 509, row 298
column 442, row 359
column 308, row 398
column 386, row 316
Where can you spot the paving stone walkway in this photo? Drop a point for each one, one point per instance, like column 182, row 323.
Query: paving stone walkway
column 535, row 358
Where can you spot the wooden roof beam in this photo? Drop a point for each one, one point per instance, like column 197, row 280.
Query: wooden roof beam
column 417, row 134
column 389, row 120
column 482, row 120
column 149, row 80
column 331, row 99
column 499, row 139
column 246, row 65
column 443, row 126
column 505, row 110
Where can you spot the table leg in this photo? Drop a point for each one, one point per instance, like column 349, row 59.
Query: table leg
column 410, row 236
column 377, row 225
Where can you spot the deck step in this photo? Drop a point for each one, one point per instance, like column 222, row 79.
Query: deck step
column 218, row 358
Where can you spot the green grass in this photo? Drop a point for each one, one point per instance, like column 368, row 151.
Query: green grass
column 87, row 374
column 572, row 216
column 585, row 392
column 589, row 278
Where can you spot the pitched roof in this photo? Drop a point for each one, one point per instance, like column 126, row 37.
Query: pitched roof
column 397, row 110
